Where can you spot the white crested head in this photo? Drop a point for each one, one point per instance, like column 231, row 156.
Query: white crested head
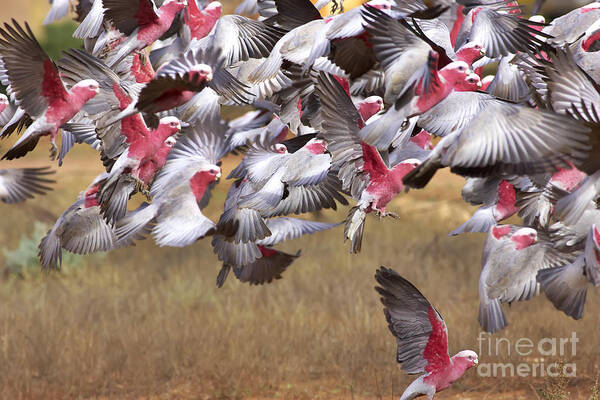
column 170, row 121
column 88, row 84
column 538, row 18
column 469, row 355
column 170, row 141
column 214, row 5
column 412, row 161
column 203, row 69
column 532, row 233
column 3, row 99
column 280, row 148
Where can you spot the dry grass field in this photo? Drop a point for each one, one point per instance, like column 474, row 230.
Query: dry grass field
column 149, row 322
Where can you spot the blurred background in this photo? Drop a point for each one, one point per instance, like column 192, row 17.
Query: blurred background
column 149, row 322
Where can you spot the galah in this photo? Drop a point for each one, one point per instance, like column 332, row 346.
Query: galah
column 424, row 90
column 422, row 337
column 177, row 82
column 500, row 30
column 257, row 262
column 495, row 209
column 278, row 183
column 361, row 169
column 269, row 178
column 145, row 155
column 537, row 204
column 140, row 21
column 239, row 38
column 38, row 89
column 20, row 184
column 199, row 23
column 180, row 191
column 566, row 286
column 512, row 257
column 80, row 229
column 484, row 135
column 573, row 92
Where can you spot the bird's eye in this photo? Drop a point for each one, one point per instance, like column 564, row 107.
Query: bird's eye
column 461, row 68
column 379, row 102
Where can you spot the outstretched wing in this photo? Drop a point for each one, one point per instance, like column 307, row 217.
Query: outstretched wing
column 20, row 184
column 33, row 77
column 418, row 327
column 127, row 15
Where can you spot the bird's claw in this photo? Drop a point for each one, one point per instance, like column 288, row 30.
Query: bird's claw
column 140, row 186
column 53, row 151
column 382, row 214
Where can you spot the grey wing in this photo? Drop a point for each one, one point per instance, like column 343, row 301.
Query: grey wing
column 340, row 129
column 454, row 112
column 87, row 232
column 28, row 68
column 266, row 269
column 301, row 199
column 501, row 34
column 508, row 83
column 285, row 228
column 516, row 140
column 124, row 13
column 407, row 313
column 17, row 185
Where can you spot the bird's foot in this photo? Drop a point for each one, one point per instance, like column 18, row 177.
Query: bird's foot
column 140, row 186
column 53, row 151
column 383, row 214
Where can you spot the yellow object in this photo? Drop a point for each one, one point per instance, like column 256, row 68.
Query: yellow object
column 348, row 5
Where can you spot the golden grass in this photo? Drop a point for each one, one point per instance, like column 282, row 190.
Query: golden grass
column 146, row 321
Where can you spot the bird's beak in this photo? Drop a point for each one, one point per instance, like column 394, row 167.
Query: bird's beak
column 179, row 127
column 184, row 124
column 482, row 52
column 218, row 175
column 479, row 84
column 209, row 76
column 469, row 71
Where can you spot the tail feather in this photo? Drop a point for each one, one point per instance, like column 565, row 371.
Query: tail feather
column 354, row 228
column 222, row 276
column 113, row 198
column 566, row 297
column 491, row 316
column 50, row 251
column 419, row 177
column 481, row 221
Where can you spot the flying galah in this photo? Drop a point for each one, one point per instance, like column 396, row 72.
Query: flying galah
column 140, row 21
column 145, row 155
column 512, row 257
column 20, row 184
column 566, row 286
column 494, row 136
column 361, row 169
column 422, row 337
column 257, row 262
column 180, row 191
column 38, row 89
column 80, row 229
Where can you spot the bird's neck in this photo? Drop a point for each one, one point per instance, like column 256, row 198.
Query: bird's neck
column 458, row 367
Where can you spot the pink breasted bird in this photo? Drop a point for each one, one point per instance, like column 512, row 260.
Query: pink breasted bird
column 140, row 21
column 138, row 164
column 38, row 89
column 180, row 191
column 361, row 169
column 198, row 23
column 80, row 229
column 422, row 337
column 512, row 257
